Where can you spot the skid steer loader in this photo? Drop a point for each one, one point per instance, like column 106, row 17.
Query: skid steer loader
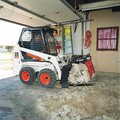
column 33, row 65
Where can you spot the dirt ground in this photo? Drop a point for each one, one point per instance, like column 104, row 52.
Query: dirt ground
column 6, row 65
column 99, row 101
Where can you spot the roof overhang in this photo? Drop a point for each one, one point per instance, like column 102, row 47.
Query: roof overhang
column 99, row 5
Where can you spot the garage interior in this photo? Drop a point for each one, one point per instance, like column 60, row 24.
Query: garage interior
column 97, row 101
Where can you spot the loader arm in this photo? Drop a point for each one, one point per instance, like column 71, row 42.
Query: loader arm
column 50, row 58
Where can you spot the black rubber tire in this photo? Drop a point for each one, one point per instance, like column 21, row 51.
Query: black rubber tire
column 31, row 73
column 51, row 76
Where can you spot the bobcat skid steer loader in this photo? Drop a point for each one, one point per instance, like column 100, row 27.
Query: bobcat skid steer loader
column 33, row 65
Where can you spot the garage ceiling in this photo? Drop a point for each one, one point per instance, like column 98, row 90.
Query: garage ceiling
column 36, row 12
column 44, row 12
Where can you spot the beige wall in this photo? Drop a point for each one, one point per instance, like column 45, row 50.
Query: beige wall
column 107, row 61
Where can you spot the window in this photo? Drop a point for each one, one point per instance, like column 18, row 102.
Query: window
column 107, row 38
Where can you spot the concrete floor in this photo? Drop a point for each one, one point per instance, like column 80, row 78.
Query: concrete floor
column 100, row 101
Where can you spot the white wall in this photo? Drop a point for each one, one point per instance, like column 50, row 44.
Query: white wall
column 78, row 39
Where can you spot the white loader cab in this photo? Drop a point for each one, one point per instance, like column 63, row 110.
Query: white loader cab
column 32, row 63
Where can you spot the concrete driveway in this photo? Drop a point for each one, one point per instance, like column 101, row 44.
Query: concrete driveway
column 100, row 101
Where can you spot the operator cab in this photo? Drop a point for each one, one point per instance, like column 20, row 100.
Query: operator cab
column 46, row 36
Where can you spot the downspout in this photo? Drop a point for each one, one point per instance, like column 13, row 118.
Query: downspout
column 82, row 37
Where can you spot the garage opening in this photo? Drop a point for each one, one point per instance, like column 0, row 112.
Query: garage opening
column 9, row 35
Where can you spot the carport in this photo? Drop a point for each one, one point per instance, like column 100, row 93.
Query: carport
column 97, row 101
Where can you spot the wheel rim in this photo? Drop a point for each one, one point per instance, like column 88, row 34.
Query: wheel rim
column 25, row 75
column 45, row 78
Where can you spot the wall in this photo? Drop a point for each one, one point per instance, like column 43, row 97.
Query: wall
column 78, row 39
column 107, row 61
